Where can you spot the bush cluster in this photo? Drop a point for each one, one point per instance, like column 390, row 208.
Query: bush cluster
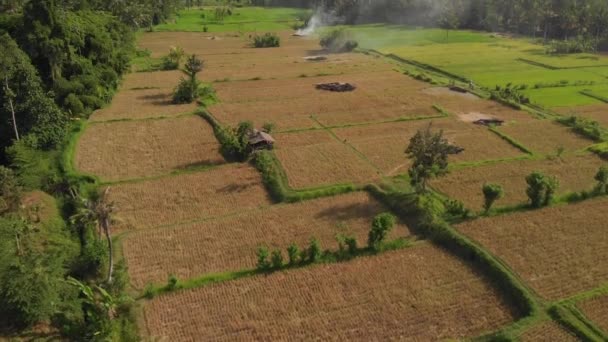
column 576, row 45
column 338, row 40
column 266, row 40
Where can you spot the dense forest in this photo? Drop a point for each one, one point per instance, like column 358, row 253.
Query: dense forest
column 60, row 60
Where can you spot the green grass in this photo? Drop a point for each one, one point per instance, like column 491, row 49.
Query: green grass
column 491, row 60
column 246, row 19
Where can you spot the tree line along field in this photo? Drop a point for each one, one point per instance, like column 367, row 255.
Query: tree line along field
column 183, row 210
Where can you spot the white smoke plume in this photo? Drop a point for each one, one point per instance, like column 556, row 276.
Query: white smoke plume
column 320, row 18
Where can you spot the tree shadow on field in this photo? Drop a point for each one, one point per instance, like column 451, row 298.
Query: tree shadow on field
column 347, row 212
column 198, row 165
column 235, row 187
column 157, row 99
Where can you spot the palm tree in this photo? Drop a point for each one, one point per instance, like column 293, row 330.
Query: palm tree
column 99, row 211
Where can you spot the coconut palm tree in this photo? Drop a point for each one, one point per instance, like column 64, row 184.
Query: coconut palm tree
column 99, row 211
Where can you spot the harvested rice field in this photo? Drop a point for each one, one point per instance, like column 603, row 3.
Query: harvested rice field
column 547, row 332
column 325, row 164
column 230, row 243
column 142, row 104
column 373, row 140
column 554, row 136
column 290, row 104
column 151, row 80
column 558, row 251
column 598, row 112
column 597, row 311
column 575, row 173
column 420, row 293
column 134, row 149
column 186, row 197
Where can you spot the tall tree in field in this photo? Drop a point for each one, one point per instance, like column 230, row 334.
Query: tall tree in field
column 450, row 18
column 429, row 152
column 99, row 211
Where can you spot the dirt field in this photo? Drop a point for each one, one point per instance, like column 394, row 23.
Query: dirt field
column 125, row 150
column 142, row 104
column 230, row 243
column 545, row 137
column 373, row 141
column 575, row 173
column 558, row 251
column 597, row 311
column 547, row 332
column 597, row 112
column 420, row 294
column 187, row 197
column 324, row 164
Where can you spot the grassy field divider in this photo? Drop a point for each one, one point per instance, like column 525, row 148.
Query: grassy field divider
column 510, row 140
column 423, row 213
column 593, row 95
column 569, row 317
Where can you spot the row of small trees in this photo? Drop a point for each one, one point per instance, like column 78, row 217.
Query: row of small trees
column 541, row 189
column 347, row 247
column 429, row 152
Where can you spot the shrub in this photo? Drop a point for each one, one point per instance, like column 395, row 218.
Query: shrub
column 10, row 191
column 266, row 41
column 457, row 208
column 171, row 282
column 585, row 127
column 541, row 189
column 185, row 92
column 602, row 180
column 268, row 127
column 149, row 291
column 577, row 45
column 277, row 259
column 293, row 253
column 381, row 226
column 351, row 243
column 338, row 40
column 491, row 193
column 262, row 255
column 314, row 251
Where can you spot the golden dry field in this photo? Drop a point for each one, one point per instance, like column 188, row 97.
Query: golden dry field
column 134, row 149
column 186, row 197
column 597, row 112
column 597, row 311
column 230, row 243
column 575, row 173
column 545, row 137
column 558, row 251
column 421, row 293
column 373, row 140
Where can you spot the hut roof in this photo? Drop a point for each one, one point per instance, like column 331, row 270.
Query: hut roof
column 260, row 137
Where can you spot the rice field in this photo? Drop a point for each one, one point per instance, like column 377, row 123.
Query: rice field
column 230, row 243
column 504, row 60
column 135, row 149
column 325, row 164
column 186, row 197
column 596, row 310
column 558, row 251
column 574, row 173
column 554, row 136
column 372, row 141
column 420, row 293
